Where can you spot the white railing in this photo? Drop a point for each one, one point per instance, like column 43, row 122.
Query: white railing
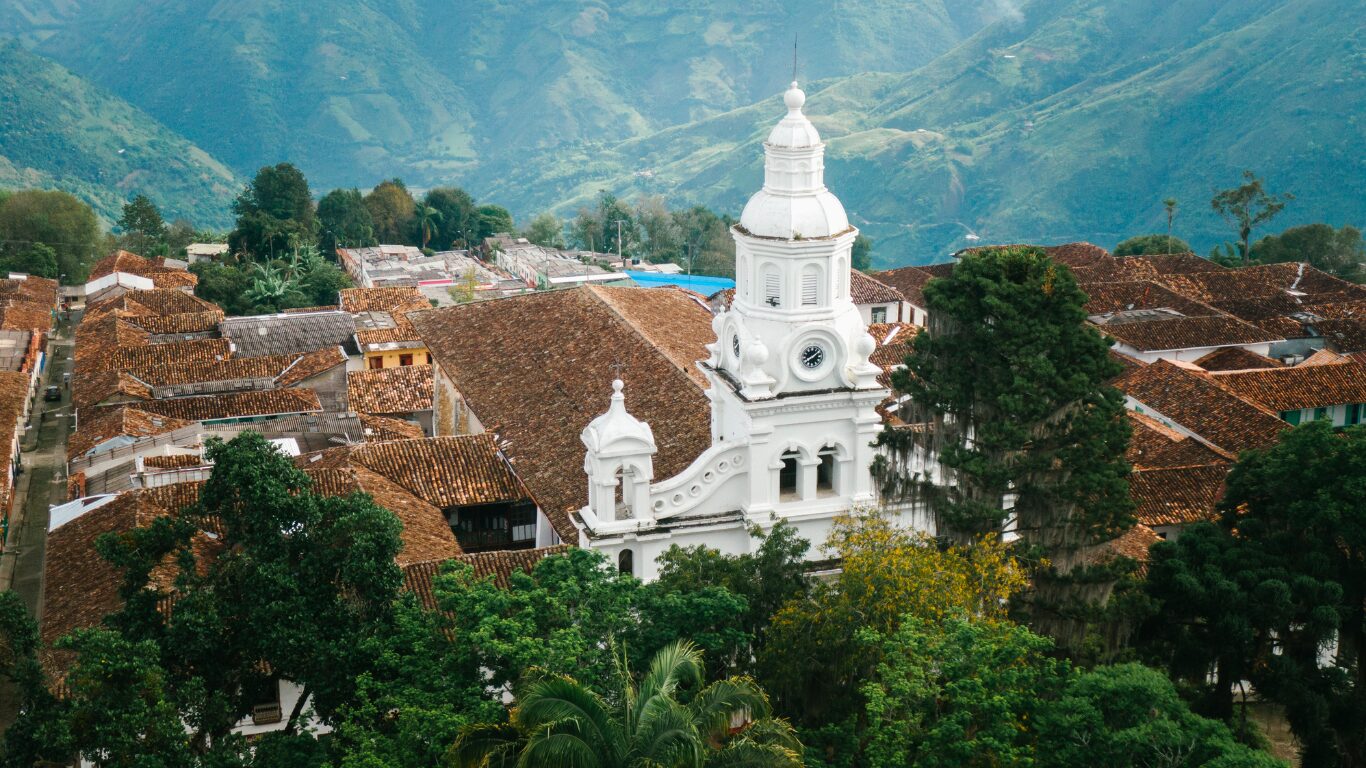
column 698, row 483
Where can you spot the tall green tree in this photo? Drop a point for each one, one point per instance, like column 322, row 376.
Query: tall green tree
column 1246, row 207
column 667, row 719
column 39, row 259
column 274, row 213
column 427, row 219
column 391, row 210
column 459, row 221
column 547, row 230
column 861, row 256
column 344, row 221
column 141, row 221
column 54, row 219
column 1338, row 252
column 494, row 219
column 1008, row 387
column 1279, row 591
column 290, row 585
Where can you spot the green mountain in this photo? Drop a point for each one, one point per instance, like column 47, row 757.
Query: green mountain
column 58, row 131
column 357, row 90
column 35, row 20
column 1071, row 122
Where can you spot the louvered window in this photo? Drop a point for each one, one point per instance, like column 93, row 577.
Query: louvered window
column 810, row 289
column 772, row 289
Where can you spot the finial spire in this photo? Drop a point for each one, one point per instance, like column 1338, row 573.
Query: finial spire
column 794, row 58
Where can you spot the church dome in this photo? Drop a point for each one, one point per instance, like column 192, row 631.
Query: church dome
column 794, row 202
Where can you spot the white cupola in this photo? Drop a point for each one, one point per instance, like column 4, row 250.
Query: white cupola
column 794, row 202
column 792, row 326
column 619, row 461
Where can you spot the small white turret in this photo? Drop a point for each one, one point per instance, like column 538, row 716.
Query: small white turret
column 619, row 462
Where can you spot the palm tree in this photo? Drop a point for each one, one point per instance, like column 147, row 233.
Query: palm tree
column 557, row 721
column 427, row 217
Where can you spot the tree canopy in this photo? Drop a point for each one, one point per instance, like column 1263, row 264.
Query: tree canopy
column 57, row 220
column 274, row 213
column 1338, row 252
column 1276, row 594
column 1148, row 245
column 344, row 221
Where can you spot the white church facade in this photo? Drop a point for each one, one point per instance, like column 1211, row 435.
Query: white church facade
column 792, row 392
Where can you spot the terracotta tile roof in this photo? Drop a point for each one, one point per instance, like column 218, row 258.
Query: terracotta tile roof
column 303, row 310
column 1192, row 399
column 908, row 281
column 893, row 343
column 1236, row 359
column 355, row 300
column 270, row 402
column 426, row 534
column 404, row 389
column 310, row 364
column 1127, row 268
column 92, row 357
column 174, row 461
column 1155, row 445
column 417, row 577
column 161, row 275
column 1186, row 333
column 1109, row 298
column 385, row 428
column 1177, row 495
column 1323, row 357
column 158, row 302
column 674, row 321
column 1301, row 386
column 94, row 338
column 25, row 317
column 537, row 368
column 98, row 425
column 865, row 289
column 105, row 386
column 1344, row 335
column 189, row 322
column 450, row 471
column 37, row 290
column 13, row 395
column 944, row 269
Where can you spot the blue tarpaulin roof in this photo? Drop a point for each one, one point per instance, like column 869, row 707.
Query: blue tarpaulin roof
column 703, row 284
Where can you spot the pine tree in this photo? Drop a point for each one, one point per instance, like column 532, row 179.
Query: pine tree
column 1007, row 391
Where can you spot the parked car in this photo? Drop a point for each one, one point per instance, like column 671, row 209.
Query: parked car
column 53, row 394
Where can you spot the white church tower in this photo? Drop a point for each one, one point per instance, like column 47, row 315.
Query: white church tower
column 793, row 394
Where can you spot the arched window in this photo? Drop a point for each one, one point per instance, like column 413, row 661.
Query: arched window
column 773, row 286
column 789, row 476
column 626, row 562
column 622, row 493
column 827, row 471
column 811, row 286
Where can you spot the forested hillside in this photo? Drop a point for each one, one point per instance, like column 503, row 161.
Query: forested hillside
column 58, row 131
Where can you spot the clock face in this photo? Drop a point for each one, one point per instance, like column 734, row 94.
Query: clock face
column 813, row 356
column 735, row 344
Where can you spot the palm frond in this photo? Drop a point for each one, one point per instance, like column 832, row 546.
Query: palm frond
column 560, row 700
column 561, row 750
column 677, row 663
column 667, row 734
column 747, row 754
column 716, row 705
column 492, row 745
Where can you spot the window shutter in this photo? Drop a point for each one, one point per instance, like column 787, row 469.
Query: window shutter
column 772, row 293
column 810, row 290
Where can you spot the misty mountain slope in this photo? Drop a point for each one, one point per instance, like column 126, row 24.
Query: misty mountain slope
column 355, row 90
column 1072, row 123
column 58, row 131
